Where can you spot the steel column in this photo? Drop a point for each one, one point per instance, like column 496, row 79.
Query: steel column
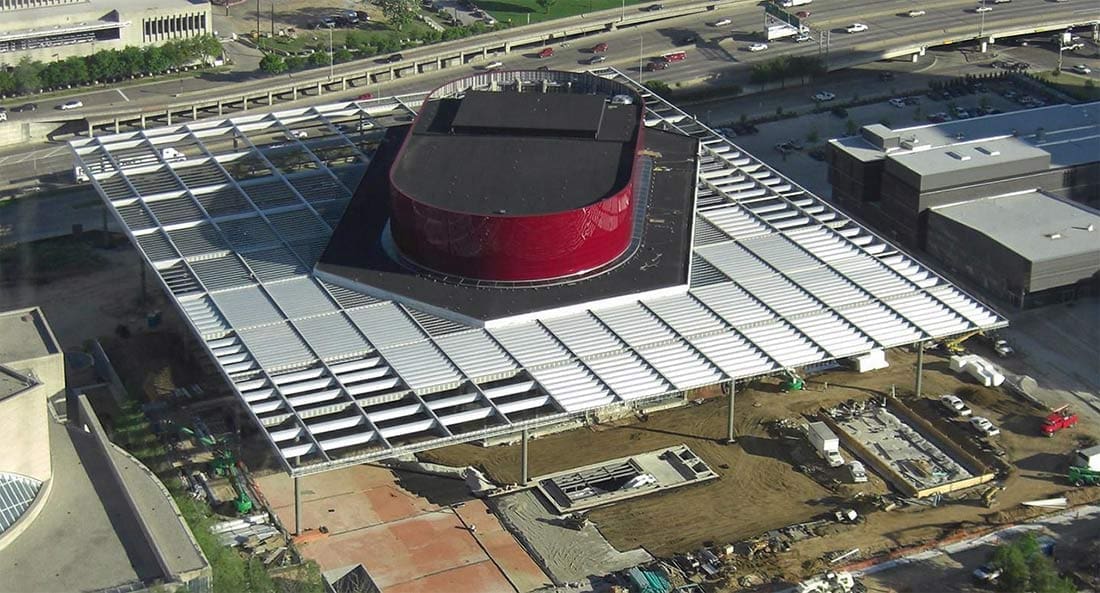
column 920, row 367
column 524, row 436
column 297, row 508
column 729, row 419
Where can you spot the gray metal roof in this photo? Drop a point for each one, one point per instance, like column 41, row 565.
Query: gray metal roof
column 1055, row 228
column 1070, row 133
column 780, row 279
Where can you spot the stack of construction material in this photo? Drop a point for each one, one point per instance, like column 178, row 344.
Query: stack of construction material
column 981, row 369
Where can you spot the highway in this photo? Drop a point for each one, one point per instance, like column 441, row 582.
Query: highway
column 720, row 52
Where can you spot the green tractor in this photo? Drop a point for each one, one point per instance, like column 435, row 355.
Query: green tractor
column 1083, row 476
column 793, row 382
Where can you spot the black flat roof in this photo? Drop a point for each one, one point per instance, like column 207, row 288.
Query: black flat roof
column 510, row 169
column 531, row 112
column 660, row 259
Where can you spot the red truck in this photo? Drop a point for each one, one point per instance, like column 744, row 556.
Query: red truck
column 1058, row 419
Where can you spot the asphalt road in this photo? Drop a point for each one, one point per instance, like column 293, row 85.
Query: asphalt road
column 949, row 569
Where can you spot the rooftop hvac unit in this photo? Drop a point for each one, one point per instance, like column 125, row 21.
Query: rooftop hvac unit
column 909, row 142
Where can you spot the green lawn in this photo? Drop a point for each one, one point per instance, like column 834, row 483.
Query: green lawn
column 1075, row 85
column 516, row 12
column 317, row 39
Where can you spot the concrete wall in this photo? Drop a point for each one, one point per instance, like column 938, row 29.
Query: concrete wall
column 25, row 448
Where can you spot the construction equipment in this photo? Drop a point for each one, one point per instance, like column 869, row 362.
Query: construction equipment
column 223, row 462
column 793, row 382
column 1058, row 419
column 1083, row 476
column 825, row 442
column 954, row 345
column 577, row 521
column 1088, row 458
column 989, row 496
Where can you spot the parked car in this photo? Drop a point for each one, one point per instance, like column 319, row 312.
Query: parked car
column 984, row 427
column 71, row 104
column 687, row 40
column 858, row 472
column 955, row 405
column 824, row 96
column 916, row 13
column 897, row 102
column 596, row 59
column 986, row 573
column 722, row 22
column 758, row 47
column 622, row 100
column 795, row 144
column 783, row 148
column 856, row 28
column 26, row 108
column 328, row 22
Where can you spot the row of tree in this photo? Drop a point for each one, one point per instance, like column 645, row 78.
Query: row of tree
column 782, row 68
column 30, row 76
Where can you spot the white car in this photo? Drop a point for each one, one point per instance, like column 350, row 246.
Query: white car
column 622, row 100
column 896, row 102
column 983, row 9
column 955, row 405
column 758, row 47
column 859, row 473
column 74, row 104
column 3, row 116
column 984, row 427
column 824, row 96
column 1082, row 69
column 722, row 22
column 856, row 28
column 916, row 13
column 494, row 65
column 803, row 37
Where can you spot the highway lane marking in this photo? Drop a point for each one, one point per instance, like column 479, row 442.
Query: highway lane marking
column 124, row 97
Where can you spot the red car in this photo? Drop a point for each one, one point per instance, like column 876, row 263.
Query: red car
column 365, row 97
column 676, row 56
column 546, row 52
column 599, row 48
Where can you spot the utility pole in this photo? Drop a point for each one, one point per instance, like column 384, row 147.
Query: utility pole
column 623, row 17
column 330, row 54
column 640, row 69
column 258, row 21
column 273, row 20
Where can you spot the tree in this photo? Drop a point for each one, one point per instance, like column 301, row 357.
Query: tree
column 7, row 83
column 154, row 60
column 659, row 87
column 398, row 12
column 851, row 127
column 546, row 4
column 104, row 65
column 273, row 64
column 131, row 61
column 26, row 75
column 1024, row 567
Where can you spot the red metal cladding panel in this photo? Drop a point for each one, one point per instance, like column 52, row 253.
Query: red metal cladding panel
column 514, row 248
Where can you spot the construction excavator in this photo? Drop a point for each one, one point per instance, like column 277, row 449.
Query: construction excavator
column 223, row 462
column 793, row 381
column 954, row 345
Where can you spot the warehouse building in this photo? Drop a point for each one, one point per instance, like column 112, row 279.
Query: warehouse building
column 1027, row 247
column 895, row 179
column 51, row 30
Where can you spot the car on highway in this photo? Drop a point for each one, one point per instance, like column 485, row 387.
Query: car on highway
column 984, row 427
column 71, row 104
column 654, row 7
column 824, row 96
column 758, row 47
column 690, row 39
column 955, row 406
column 657, row 64
column 856, row 28
column 365, row 97
column 622, row 100
column 721, row 22
column 25, row 108
column 494, row 65
column 803, row 37
column 395, row 58
column 1001, row 1
column 802, row 14
column 596, row 59
column 983, row 8
column 916, row 13
column 4, row 115
column 599, row 48
column 1082, row 69
column 986, row 573
column 546, row 52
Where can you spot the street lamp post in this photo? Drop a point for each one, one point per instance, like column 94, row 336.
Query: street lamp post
column 640, row 69
column 330, row 54
column 623, row 16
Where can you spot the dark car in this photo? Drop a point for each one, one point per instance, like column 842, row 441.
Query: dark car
column 653, row 7
column 687, row 40
column 596, row 59
column 26, row 107
column 395, row 58
column 657, row 65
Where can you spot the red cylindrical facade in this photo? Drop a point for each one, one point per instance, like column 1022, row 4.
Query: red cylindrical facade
column 513, row 248
column 519, row 248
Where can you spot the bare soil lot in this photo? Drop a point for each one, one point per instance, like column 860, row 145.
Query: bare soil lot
column 760, row 489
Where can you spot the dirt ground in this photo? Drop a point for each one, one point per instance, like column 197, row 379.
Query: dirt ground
column 759, row 488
